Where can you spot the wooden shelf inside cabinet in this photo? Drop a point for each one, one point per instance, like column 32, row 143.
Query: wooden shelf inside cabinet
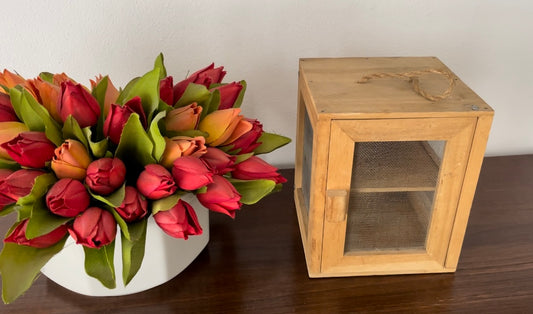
column 394, row 166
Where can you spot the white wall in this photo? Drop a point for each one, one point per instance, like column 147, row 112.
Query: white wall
column 489, row 44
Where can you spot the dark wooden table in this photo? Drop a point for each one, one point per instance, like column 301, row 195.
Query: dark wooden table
column 255, row 264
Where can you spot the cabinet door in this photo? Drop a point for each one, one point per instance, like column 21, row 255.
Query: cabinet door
column 392, row 191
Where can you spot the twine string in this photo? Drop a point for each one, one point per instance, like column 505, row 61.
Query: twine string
column 413, row 77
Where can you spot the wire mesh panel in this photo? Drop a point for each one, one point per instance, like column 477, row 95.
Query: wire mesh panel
column 391, row 196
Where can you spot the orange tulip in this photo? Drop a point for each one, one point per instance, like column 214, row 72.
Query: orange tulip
column 111, row 93
column 183, row 118
column 8, row 131
column 71, row 160
column 220, row 125
column 10, row 80
column 179, row 146
column 49, row 95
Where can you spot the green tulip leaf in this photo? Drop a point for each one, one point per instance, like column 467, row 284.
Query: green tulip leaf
column 155, row 136
column 39, row 188
column 42, row 221
column 135, row 144
column 114, row 199
column 9, row 164
column 160, row 64
column 8, row 209
column 20, row 265
column 147, row 87
column 99, row 93
column 47, row 77
column 238, row 101
column 211, row 105
column 121, row 99
column 253, row 190
column 99, row 264
column 98, row 149
column 133, row 250
column 193, row 93
column 36, row 117
column 243, row 157
column 121, row 223
column 72, row 130
column 270, row 142
column 166, row 203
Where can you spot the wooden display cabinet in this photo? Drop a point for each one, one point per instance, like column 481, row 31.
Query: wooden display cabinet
column 384, row 178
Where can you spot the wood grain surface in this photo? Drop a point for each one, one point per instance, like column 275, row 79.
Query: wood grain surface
column 255, row 264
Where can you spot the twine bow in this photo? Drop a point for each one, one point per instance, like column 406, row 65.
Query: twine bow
column 413, row 79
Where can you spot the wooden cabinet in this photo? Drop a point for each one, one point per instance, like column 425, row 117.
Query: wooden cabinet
column 384, row 178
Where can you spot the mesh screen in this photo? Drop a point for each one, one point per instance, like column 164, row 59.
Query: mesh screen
column 391, row 197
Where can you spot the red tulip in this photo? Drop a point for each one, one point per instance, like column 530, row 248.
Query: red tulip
column 5, row 200
column 219, row 162
column 18, row 183
column 7, row 113
column 18, row 236
column 206, row 76
column 105, row 175
column 247, row 142
column 255, row 168
column 228, row 94
column 30, row 149
column 79, row 103
column 8, row 131
column 118, row 116
column 156, row 182
column 191, row 173
column 94, row 228
column 221, row 197
column 134, row 206
column 71, row 160
column 166, row 92
column 67, row 198
column 179, row 222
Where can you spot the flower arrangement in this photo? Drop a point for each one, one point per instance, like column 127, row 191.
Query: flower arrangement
column 94, row 164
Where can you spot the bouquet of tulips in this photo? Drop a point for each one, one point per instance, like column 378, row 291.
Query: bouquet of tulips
column 95, row 163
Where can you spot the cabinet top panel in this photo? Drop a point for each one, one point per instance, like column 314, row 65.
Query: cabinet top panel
column 332, row 86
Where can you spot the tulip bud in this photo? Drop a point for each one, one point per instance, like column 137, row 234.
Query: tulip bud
column 67, row 198
column 180, row 221
column 49, row 95
column 7, row 113
column 219, row 162
column 111, row 92
column 166, row 92
column 79, row 103
column 220, row 125
column 5, row 200
column 228, row 94
column 10, row 80
column 18, row 183
column 206, row 76
column 8, row 131
column 18, row 236
column 179, row 146
column 255, row 168
column 221, row 196
column 134, row 206
column 156, row 182
column 119, row 115
column 191, row 173
column 105, row 175
column 183, row 118
column 94, row 228
column 30, row 149
column 247, row 142
column 71, row 160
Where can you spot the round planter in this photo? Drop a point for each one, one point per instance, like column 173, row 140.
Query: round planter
column 164, row 258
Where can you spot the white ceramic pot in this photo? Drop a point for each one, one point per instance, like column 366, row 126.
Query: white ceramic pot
column 164, row 258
